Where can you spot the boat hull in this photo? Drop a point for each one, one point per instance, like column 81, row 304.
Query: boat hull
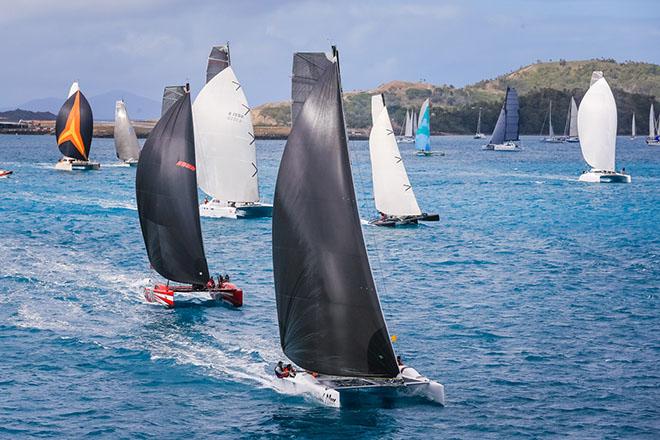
column 479, row 136
column 164, row 295
column 411, row 220
column 405, row 140
column 5, row 173
column 654, row 142
column 217, row 209
column 597, row 176
column 507, row 146
column 77, row 165
column 572, row 140
column 554, row 140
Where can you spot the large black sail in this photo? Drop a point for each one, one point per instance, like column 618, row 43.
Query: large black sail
column 171, row 94
column 511, row 108
column 329, row 315
column 218, row 61
column 307, row 68
column 74, row 127
column 166, row 187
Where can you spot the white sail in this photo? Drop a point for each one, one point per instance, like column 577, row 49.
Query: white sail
column 225, row 148
column 126, row 142
column 393, row 193
column 409, row 125
column 634, row 131
column 597, row 125
column 551, row 131
column 573, row 127
column 73, row 89
column 479, row 122
column 651, row 122
column 414, row 123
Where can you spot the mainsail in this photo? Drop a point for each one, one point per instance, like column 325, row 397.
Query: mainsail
column 218, row 61
column 307, row 68
column 573, row 127
column 597, row 121
column 224, row 137
column 126, row 142
column 393, row 193
column 551, row 131
column 633, row 130
column 171, row 94
column 75, row 125
column 409, row 125
column 506, row 127
column 423, row 133
column 413, row 118
column 166, row 192
column 651, row 122
column 329, row 314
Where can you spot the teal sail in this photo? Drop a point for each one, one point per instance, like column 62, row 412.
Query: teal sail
column 423, row 135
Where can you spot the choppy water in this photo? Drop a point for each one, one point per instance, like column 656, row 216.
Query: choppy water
column 534, row 300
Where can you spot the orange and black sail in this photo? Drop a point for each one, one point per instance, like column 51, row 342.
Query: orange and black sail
column 74, row 127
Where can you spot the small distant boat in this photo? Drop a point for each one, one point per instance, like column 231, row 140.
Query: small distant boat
column 329, row 315
column 5, row 173
column 166, row 193
column 478, row 134
column 551, row 132
column 505, row 134
column 654, row 132
column 408, row 136
column 73, row 130
column 225, row 145
column 571, row 127
column 597, row 120
column 633, row 134
column 393, row 193
column 126, row 142
column 423, row 133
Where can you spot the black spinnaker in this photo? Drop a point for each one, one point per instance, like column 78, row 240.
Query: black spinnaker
column 74, row 127
column 166, row 190
column 171, row 94
column 329, row 314
column 218, row 61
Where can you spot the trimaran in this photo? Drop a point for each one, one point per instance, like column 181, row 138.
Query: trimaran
column 166, row 193
column 330, row 319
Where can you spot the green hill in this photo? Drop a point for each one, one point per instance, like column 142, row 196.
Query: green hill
column 454, row 110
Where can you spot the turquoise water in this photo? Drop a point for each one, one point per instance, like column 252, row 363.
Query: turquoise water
column 534, row 300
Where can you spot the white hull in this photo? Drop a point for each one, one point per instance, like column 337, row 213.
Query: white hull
column 405, row 140
column 572, row 139
column 598, row 176
column 653, row 142
column 479, row 136
column 554, row 140
column 507, row 146
column 218, row 209
column 336, row 391
column 66, row 164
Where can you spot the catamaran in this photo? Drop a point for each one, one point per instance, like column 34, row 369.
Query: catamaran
column 329, row 315
column 166, row 192
column 225, row 146
column 74, row 129
column 393, row 193
column 126, row 142
column 408, row 135
column 423, row 133
column 571, row 127
column 633, row 133
column 551, row 132
column 654, row 133
column 505, row 134
column 597, row 120
column 479, row 134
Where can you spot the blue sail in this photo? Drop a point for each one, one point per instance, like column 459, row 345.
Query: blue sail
column 423, row 135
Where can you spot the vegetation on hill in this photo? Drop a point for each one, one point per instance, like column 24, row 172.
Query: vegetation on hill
column 26, row 115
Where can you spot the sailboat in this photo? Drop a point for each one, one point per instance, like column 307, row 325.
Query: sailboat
column 654, row 132
column 225, row 146
column 329, row 315
column 633, row 131
column 166, row 192
column 505, row 134
column 5, row 173
column 73, row 130
column 571, row 127
column 551, row 132
column 126, row 142
column 423, row 133
column 478, row 134
column 408, row 137
column 171, row 95
column 393, row 194
column 597, row 120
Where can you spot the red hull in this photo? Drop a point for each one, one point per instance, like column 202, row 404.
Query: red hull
column 164, row 295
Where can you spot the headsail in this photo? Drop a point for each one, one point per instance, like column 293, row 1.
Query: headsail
column 224, row 138
column 423, row 133
column 329, row 314
column 551, row 131
column 126, row 142
column 74, row 126
column 166, row 191
column 393, row 193
column 218, row 61
column 479, row 122
column 171, row 94
column 597, row 121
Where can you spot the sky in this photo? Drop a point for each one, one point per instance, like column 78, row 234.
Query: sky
column 142, row 45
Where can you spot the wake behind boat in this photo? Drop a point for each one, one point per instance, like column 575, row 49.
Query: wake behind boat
column 73, row 131
column 329, row 314
column 225, row 145
column 166, row 192
column 505, row 134
column 597, row 121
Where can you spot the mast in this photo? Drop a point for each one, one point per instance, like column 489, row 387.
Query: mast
column 329, row 314
column 75, row 125
column 573, row 130
column 166, row 193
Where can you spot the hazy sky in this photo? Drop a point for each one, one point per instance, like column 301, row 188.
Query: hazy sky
column 142, row 45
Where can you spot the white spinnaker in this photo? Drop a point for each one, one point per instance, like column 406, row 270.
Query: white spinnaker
column 126, row 142
column 597, row 126
column 393, row 193
column 73, row 89
column 409, row 125
column 225, row 148
column 651, row 122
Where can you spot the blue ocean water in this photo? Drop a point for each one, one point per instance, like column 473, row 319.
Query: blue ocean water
column 534, row 300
